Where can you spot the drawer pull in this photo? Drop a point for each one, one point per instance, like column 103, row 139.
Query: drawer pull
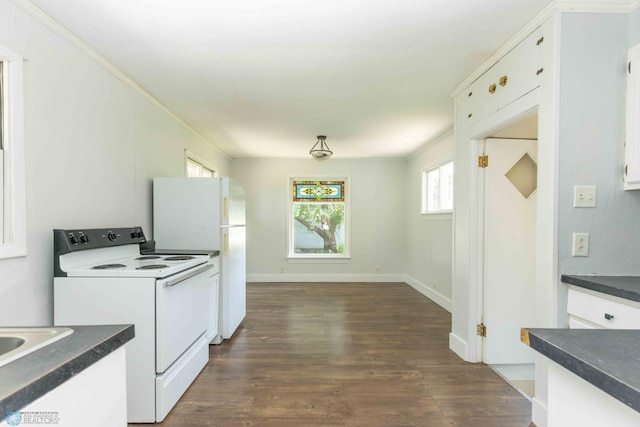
column 608, row 316
column 492, row 88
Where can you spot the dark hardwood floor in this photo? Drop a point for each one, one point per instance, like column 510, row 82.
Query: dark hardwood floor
column 345, row 354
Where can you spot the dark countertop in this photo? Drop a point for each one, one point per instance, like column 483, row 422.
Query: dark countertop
column 149, row 248
column 627, row 287
column 607, row 358
column 35, row 374
column 212, row 253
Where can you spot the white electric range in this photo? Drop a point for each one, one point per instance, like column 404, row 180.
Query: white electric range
column 100, row 277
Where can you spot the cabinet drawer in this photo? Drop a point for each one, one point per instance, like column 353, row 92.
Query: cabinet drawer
column 603, row 311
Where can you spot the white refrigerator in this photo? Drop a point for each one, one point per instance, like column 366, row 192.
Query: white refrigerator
column 207, row 214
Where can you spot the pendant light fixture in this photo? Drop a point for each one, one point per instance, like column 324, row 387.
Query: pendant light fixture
column 320, row 151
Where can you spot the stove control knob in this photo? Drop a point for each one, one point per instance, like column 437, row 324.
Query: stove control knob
column 133, row 235
column 139, row 234
column 111, row 236
column 84, row 239
column 73, row 240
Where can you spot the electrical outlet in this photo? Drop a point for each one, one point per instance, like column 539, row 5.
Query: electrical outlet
column 378, row 269
column 435, row 285
column 580, row 245
column 584, row 196
column 282, row 269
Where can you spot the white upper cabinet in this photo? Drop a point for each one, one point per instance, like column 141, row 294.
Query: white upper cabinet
column 632, row 143
column 517, row 73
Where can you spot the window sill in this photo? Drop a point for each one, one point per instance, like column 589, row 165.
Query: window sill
column 318, row 259
column 437, row 216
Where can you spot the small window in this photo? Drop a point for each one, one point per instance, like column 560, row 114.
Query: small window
column 12, row 183
column 437, row 188
column 195, row 168
column 318, row 218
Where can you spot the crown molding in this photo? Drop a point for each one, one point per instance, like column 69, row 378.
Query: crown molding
column 596, row 6
column 53, row 25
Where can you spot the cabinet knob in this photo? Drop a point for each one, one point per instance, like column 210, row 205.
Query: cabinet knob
column 492, row 88
column 608, row 316
column 469, row 116
column 503, row 81
column 540, row 40
column 539, row 71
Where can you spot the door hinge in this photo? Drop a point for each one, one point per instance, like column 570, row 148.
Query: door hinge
column 483, row 161
column 481, row 330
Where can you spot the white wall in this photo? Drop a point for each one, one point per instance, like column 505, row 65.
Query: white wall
column 592, row 133
column 92, row 146
column 429, row 238
column 634, row 27
column 378, row 219
column 592, row 120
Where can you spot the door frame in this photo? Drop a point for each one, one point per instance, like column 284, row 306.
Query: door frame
column 546, row 215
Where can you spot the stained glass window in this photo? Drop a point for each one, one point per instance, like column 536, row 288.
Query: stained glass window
column 318, row 191
column 318, row 218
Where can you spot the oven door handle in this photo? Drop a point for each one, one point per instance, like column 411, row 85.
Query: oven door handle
column 188, row 276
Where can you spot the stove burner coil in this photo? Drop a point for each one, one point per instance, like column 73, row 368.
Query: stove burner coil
column 152, row 267
column 107, row 266
column 178, row 258
column 146, row 257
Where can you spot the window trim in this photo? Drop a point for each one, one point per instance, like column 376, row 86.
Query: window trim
column 14, row 243
column 319, row 258
column 439, row 214
column 189, row 155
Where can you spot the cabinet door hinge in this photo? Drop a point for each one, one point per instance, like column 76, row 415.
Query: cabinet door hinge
column 483, row 161
column 481, row 330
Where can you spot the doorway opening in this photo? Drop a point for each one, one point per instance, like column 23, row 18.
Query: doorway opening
column 507, row 248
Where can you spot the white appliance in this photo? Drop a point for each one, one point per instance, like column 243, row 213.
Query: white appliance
column 100, row 277
column 207, row 214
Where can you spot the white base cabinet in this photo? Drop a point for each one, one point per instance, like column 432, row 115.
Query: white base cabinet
column 575, row 402
column 590, row 309
column 95, row 397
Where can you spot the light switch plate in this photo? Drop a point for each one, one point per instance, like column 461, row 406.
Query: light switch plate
column 580, row 246
column 584, row 196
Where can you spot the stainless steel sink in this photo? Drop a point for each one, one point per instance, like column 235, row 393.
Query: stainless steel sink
column 18, row 342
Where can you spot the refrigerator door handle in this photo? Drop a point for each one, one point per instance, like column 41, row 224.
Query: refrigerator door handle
column 225, row 208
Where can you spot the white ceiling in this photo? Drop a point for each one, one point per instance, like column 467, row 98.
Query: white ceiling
column 262, row 78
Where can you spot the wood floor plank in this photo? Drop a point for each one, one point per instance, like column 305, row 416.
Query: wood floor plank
column 344, row 354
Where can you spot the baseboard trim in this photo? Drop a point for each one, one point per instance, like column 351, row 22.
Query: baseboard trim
column 434, row 296
column 458, row 346
column 381, row 278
